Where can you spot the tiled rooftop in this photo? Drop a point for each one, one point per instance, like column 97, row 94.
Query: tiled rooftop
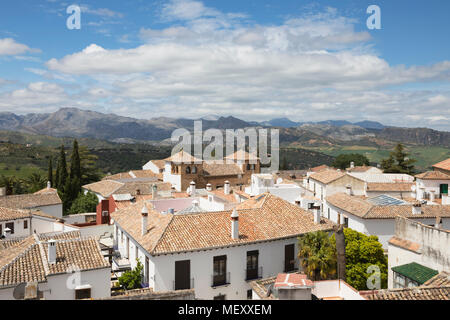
column 416, row 293
column 440, row 280
column 273, row 219
column 445, row 165
column 26, row 260
column 363, row 208
column 327, row 176
column 29, row 201
column 433, row 175
column 389, row 187
column 13, row 214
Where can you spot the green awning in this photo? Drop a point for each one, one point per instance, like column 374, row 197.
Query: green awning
column 416, row 272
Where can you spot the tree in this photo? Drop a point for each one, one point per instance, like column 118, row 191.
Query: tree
column 361, row 252
column 343, row 161
column 62, row 164
column 8, row 183
column 398, row 161
column 35, row 182
column 89, row 171
column 50, row 171
column 84, row 203
column 75, row 162
column 317, row 255
column 132, row 279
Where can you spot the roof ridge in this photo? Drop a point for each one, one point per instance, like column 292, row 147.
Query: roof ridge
column 42, row 253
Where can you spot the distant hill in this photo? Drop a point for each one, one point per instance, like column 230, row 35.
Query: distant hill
column 72, row 122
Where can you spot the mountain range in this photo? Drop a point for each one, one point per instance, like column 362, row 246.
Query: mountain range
column 72, row 122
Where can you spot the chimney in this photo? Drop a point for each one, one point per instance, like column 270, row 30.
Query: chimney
column 192, row 189
column 438, row 224
column 49, row 184
column 144, row 213
column 348, row 189
column 2, row 191
column 417, row 208
column 432, row 196
column 316, row 213
column 235, row 225
column 154, row 192
column 352, row 165
column 52, row 251
column 226, row 189
column 209, row 187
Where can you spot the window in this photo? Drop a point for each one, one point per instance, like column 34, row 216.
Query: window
column 83, row 293
column 188, row 169
column 10, row 225
column 249, row 294
column 1, row 230
column 399, row 281
column 345, row 222
column 25, row 224
column 252, row 264
column 248, row 166
column 220, row 297
column 194, row 170
column 328, row 213
column 220, row 271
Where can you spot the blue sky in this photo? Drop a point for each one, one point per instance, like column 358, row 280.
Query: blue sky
column 257, row 59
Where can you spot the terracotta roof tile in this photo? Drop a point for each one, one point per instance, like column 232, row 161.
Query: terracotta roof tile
column 417, row 293
column 445, row 165
column 222, row 169
column 327, row 176
column 389, row 187
column 360, row 207
column 275, row 219
column 105, row 188
column 405, row 244
column 13, row 214
column 440, row 280
column 26, row 260
column 29, row 201
column 433, row 175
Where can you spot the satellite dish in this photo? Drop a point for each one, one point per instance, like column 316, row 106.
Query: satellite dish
column 19, row 291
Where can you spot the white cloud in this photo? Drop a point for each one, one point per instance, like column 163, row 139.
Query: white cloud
column 8, row 46
column 310, row 67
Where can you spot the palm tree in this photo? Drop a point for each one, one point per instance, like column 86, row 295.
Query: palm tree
column 317, row 255
column 35, row 182
column 8, row 183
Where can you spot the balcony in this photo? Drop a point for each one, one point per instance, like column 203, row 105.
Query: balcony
column 253, row 274
column 220, row 280
column 183, row 286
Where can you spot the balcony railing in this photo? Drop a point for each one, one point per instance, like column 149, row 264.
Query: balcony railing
column 179, row 286
column 253, row 274
column 220, row 280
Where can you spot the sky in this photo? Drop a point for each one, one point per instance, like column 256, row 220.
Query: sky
column 255, row 59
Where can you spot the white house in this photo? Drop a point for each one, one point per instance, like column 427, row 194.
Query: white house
column 261, row 183
column 59, row 267
column 431, row 185
column 417, row 252
column 376, row 216
column 155, row 166
column 216, row 253
column 47, row 202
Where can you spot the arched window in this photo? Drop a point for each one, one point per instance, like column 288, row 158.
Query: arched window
column 248, row 166
column 194, row 170
column 188, row 169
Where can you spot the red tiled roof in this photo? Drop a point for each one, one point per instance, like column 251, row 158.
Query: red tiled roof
column 433, row 175
column 274, row 219
column 445, row 165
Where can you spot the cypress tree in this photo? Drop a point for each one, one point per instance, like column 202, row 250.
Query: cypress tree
column 56, row 178
column 75, row 162
column 62, row 169
column 50, row 171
